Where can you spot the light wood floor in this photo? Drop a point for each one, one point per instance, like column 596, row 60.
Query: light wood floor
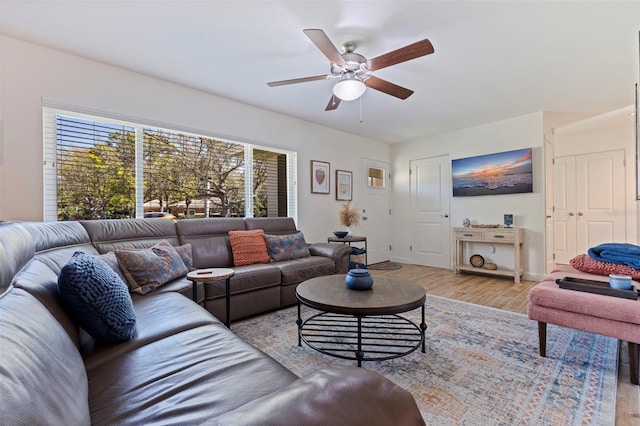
column 503, row 293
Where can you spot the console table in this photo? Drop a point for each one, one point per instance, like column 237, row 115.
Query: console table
column 510, row 236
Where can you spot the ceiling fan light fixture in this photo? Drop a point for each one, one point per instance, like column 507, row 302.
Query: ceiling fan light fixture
column 349, row 89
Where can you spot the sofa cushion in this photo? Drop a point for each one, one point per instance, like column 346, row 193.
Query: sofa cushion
column 209, row 239
column 586, row 263
column 113, row 234
column 248, row 247
column 182, row 367
column 298, row 270
column 325, row 397
column 111, row 260
column 96, row 298
column 42, row 377
column 148, row 269
column 286, row 247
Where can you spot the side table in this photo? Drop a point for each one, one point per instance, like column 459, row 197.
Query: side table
column 213, row 274
column 350, row 240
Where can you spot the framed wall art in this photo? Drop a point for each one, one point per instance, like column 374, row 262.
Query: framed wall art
column 509, row 172
column 320, row 177
column 344, row 185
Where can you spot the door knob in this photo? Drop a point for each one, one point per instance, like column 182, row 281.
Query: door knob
column 444, row 215
column 548, row 217
column 572, row 214
column 580, row 214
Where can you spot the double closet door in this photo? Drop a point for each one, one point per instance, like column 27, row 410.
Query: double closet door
column 589, row 206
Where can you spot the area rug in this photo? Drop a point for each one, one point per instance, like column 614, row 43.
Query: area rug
column 481, row 366
column 385, row 266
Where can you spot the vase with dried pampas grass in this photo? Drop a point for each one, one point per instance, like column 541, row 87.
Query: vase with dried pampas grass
column 348, row 216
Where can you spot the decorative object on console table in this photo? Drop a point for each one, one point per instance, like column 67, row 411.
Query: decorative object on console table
column 511, row 236
column 348, row 216
column 344, row 185
column 476, row 261
column 508, row 220
column 320, row 177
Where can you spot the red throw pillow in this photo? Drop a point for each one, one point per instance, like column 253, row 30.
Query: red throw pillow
column 248, row 247
column 585, row 263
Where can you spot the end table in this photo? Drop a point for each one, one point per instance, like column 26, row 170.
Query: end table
column 213, row 274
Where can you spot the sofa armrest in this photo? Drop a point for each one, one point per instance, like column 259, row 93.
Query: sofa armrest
column 334, row 395
column 339, row 253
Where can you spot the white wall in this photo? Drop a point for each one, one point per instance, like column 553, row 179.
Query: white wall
column 30, row 73
column 528, row 209
column 607, row 132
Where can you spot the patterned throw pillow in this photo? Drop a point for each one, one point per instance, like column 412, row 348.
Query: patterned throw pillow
column 186, row 253
column 148, row 269
column 585, row 263
column 96, row 298
column 287, row 247
column 248, row 247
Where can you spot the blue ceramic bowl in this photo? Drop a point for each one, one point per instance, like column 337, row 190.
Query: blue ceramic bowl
column 340, row 234
column 358, row 279
column 620, row 282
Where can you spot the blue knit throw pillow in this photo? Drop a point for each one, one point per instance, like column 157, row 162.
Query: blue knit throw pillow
column 97, row 298
column 286, row 247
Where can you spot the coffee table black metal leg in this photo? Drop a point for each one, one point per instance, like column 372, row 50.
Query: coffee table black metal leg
column 359, row 353
column 227, row 292
column 423, row 328
column 299, row 322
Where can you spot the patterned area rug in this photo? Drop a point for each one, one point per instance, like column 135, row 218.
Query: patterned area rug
column 481, row 366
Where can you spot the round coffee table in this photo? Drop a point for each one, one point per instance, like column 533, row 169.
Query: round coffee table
column 361, row 325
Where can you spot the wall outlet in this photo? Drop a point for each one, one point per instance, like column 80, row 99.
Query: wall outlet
column 492, row 248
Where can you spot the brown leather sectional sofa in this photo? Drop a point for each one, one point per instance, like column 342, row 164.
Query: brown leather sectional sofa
column 183, row 366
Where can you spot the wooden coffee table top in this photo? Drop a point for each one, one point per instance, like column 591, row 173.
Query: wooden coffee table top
column 387, row 296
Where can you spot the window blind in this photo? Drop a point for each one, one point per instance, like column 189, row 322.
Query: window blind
column 98, row 167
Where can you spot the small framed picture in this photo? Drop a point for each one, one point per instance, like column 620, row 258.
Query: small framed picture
column 508, row 220
column 320, row 177
column 344, row 185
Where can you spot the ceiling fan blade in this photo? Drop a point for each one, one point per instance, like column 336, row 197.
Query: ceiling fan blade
column 298, row 80
column 412, row 51
column 387, row 87
column 334, row 103
column 322, row 42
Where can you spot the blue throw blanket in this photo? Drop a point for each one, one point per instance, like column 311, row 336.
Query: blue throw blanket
column 620, row 253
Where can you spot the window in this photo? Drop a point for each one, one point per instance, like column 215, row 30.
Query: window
column 97, row 167
column 376, row 178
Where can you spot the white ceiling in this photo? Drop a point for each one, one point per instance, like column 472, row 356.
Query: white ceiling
column 493, row 59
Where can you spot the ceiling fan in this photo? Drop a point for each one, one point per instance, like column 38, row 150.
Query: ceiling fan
column 354, row 70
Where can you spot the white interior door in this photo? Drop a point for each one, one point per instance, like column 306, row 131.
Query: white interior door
column 600, row 208
column 589, row 207
column 376, row 213
column 564, row 214
column 430, row 199
column 548, row 206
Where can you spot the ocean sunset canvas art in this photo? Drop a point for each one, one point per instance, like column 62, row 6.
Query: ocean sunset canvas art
column 508, row 172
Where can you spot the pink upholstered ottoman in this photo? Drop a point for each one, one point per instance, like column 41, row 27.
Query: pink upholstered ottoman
column 606, row 315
